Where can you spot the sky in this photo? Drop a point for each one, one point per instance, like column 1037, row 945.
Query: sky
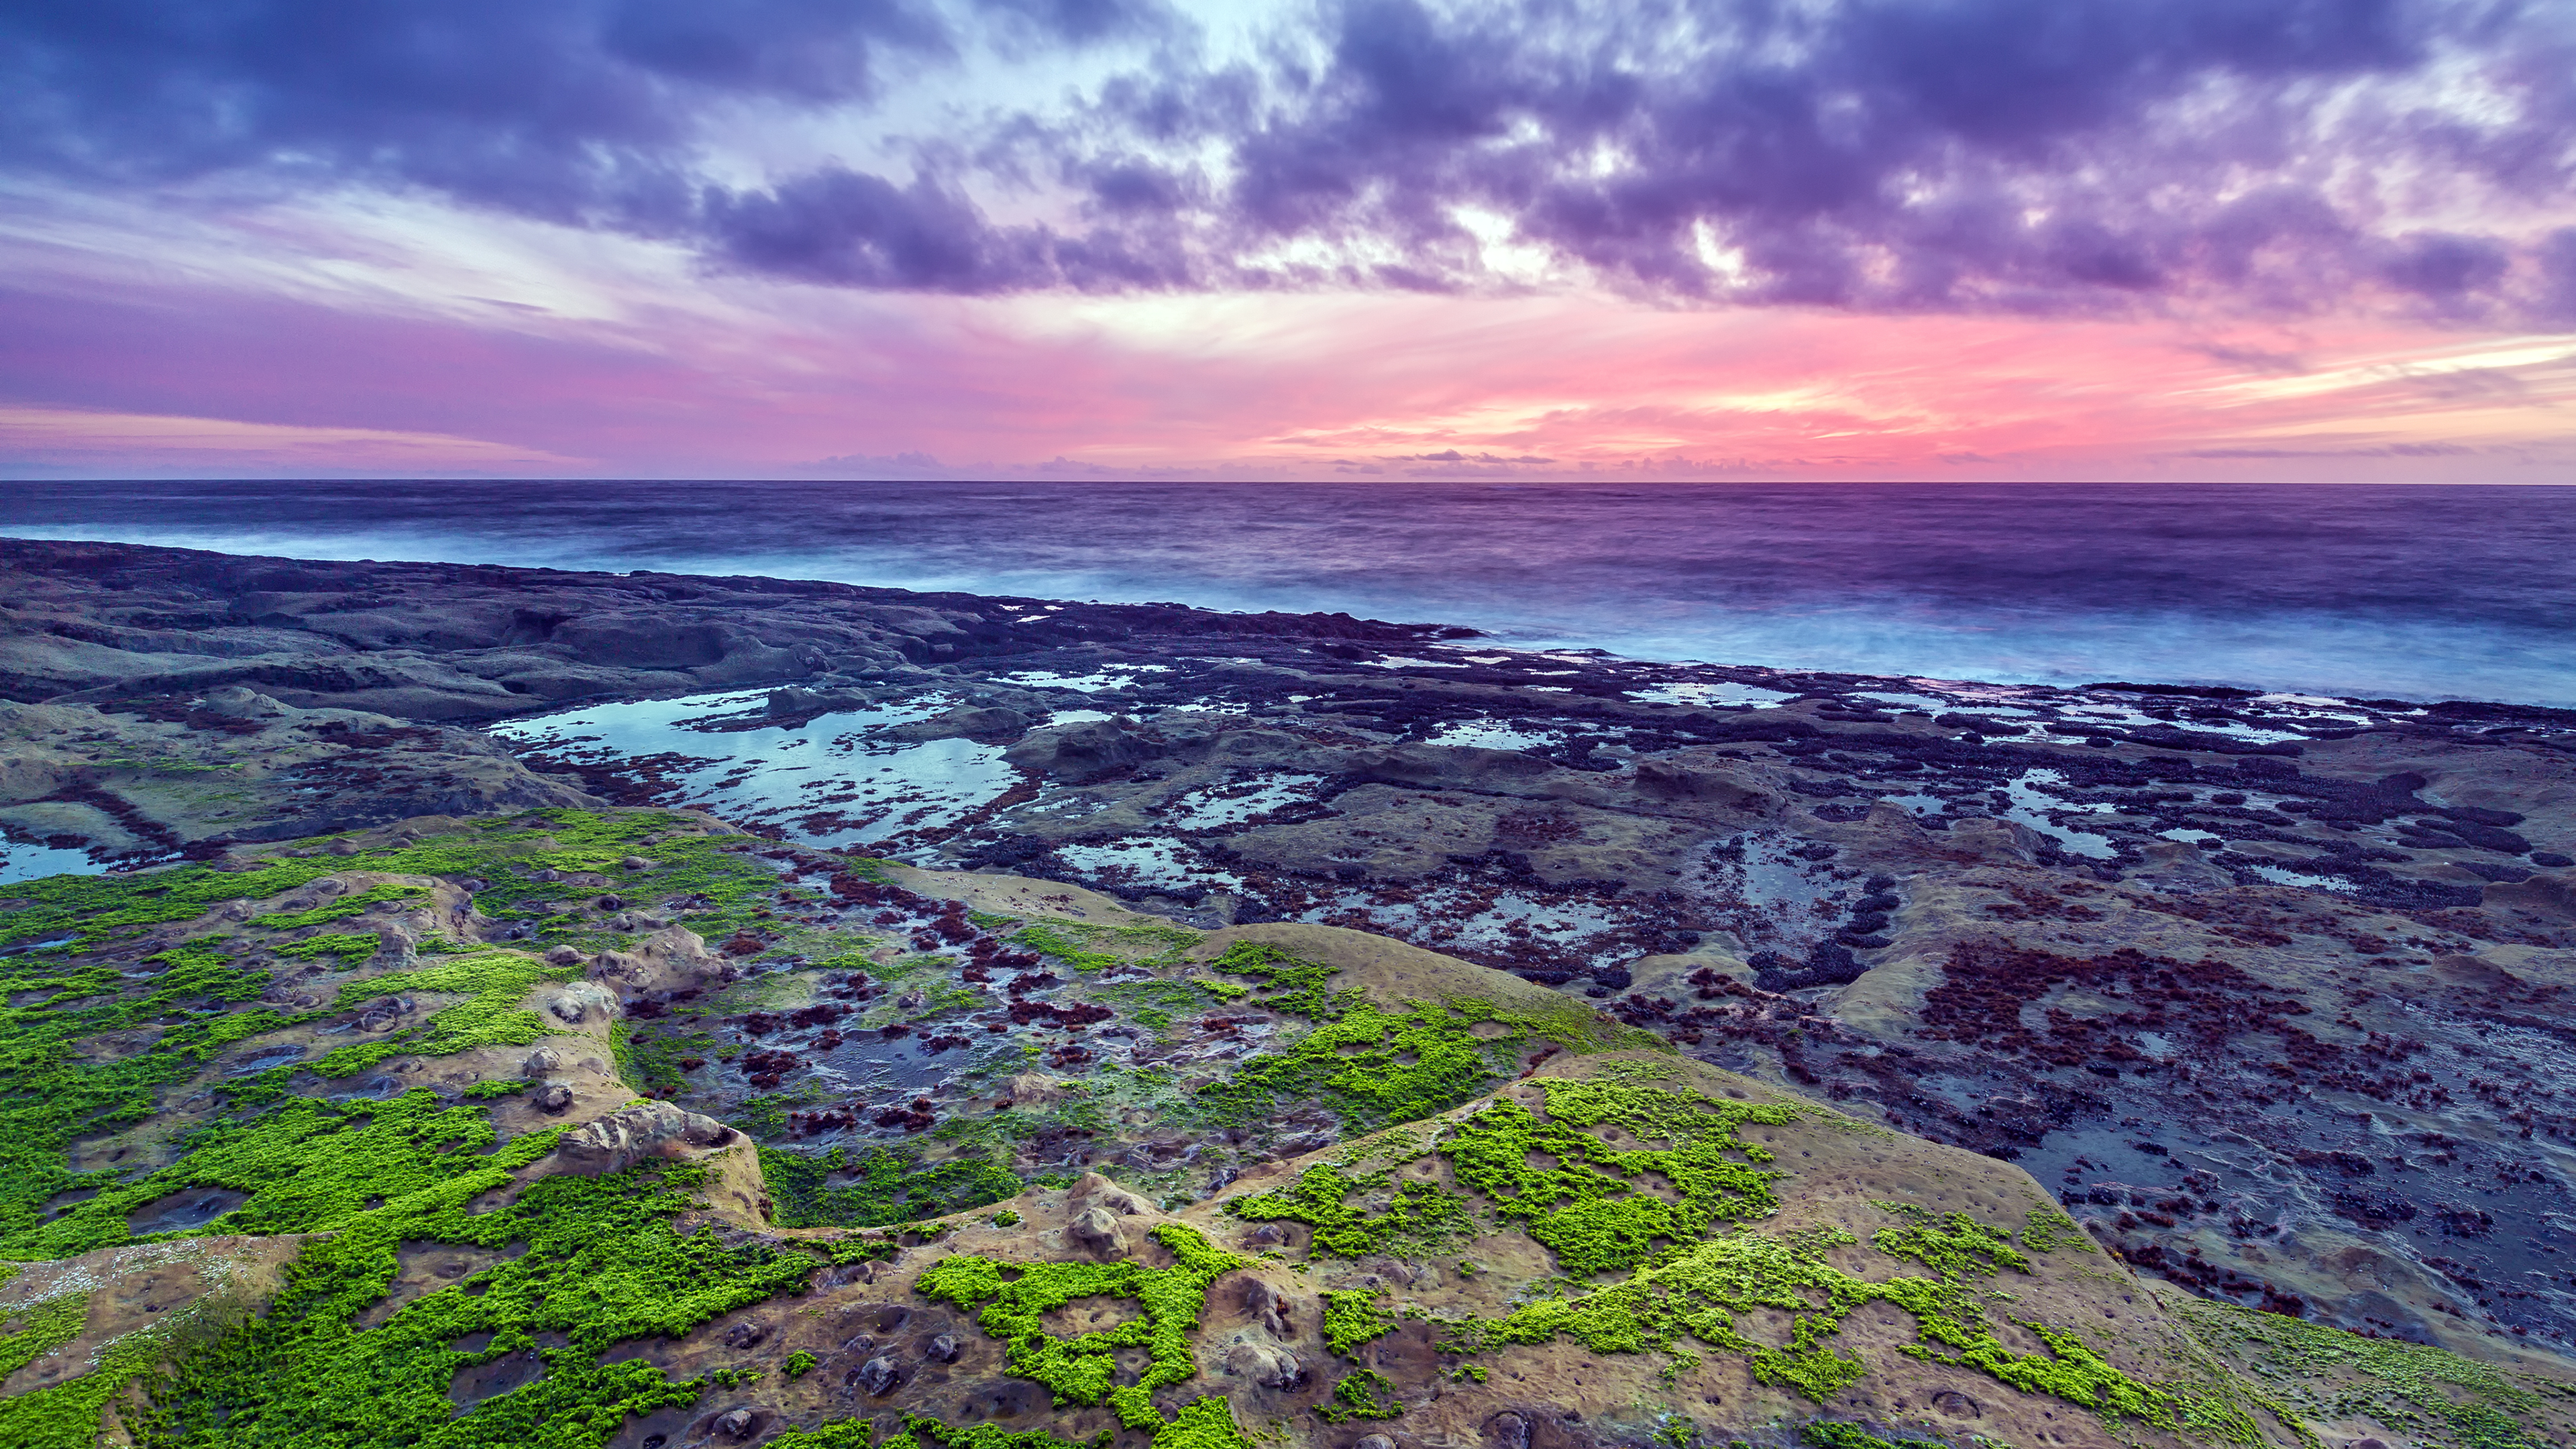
column 2307, row 240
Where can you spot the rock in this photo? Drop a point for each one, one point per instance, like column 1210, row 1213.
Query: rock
column 543, row 1062
column 1374, row 1441
column 343, row 846
column 629, row 1135
column 744, row 1335
column 562, row 956
column 553, row 1099
column 1263, row 1362
column 1507, row 1430
column 1267, row 1308
column 1098, row 1229
column 636, row 862
column 942, row 1348
column 1035, row 1089
column 575, row 1003
column 738, row 1424
column 235, row 702
column 878, row 1376
column 1094, row 1190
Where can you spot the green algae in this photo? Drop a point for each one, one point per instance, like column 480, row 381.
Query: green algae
column 597, row 1262
column 350, row 950
column 42, row 1328
column 1417, row 1216
column 1594, row 1206
column 1953, row 1245
column 2045, row 1230
column 1352, row 1318
column 1696, row 1295
column 1365, row 1394
column 355, row 904
column 1010, row 1301
column 2440, row 1399
column 1828, row 1434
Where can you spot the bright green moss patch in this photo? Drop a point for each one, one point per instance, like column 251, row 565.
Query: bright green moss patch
column 1695, row 1295
column 1011, row 1301
column 1592, row 1206
column 2046, row 1230
column 1953, row 1245
column 1416, row 1216
column 1290, row 984
column 594, row 1260
column 1826, row 1434
column 883, row 1186
column 356, row 904
column 41, row 1329
column 1352, row 1318
column 306, row 1166
column 67, row 1415
column 2435, row 1398
column 493, row 982
column 348, row 950
column 1366, row 1394
column 799, row 1364
column 1087, row 947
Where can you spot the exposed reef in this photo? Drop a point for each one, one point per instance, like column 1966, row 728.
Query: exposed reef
column 1683, row 1040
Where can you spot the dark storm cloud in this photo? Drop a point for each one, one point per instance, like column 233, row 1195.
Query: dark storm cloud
column 2024, row 155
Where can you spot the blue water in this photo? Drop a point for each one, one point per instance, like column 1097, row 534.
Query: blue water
column 2424, row 593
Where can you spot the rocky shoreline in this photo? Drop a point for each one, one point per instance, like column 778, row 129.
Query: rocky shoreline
column 2270, row 989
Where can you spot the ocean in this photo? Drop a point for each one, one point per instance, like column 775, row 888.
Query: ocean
column 2359, row 590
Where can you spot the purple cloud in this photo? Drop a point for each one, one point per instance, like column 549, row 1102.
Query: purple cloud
column 2036, row 156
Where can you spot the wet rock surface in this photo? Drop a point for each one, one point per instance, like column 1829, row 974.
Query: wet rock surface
column 2270, row 992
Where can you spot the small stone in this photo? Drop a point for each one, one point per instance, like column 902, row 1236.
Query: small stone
column 553, row 1098
column 341, row 847
column 736, row 1425
column 1507, row 1430
column 1374, row 1441
column 610, row 903
column 562, row 956
column 1098, row 1227
column 543, row 1062
column 744, row 1335
column 636, row 862
column 943, row 1348
column 1266, row 1364
column 879, row 1376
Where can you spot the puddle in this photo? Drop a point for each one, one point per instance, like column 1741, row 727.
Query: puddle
column 1108, row 677
column 1239, row 802
column 1145, row 861
column 1723, row 691
column 2031, row 806
column 1922, row 702
column 827, row 783
column 2279, row 876
column 20, row 860
column 1490, row 734
column 184, row 1211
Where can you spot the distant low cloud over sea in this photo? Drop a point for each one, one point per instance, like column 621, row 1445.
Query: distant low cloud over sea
column 1872, row 238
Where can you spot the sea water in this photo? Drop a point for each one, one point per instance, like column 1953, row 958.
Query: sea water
column 2362, row 590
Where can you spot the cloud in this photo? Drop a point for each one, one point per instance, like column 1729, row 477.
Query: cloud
column 2383, row 450
column 2110, row 157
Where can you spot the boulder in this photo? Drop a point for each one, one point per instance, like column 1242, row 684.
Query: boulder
column 629, row 1135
